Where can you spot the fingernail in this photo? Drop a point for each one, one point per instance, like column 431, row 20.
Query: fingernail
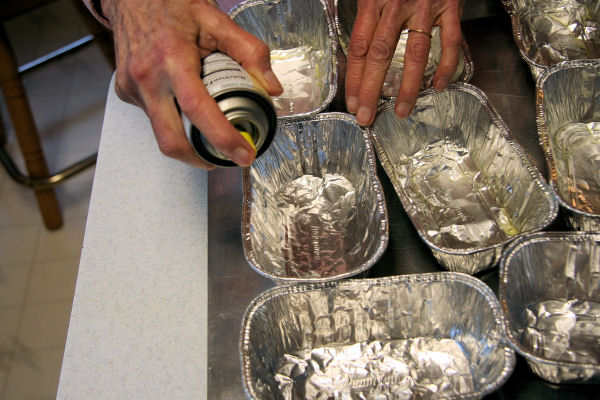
column 242, row 157
column 441, row 84
column 352, row 104
column 364, row 116
column 403, row 110
column 273, row 81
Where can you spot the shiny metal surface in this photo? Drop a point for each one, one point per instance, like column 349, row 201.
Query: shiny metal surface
column 550, row 31
column 468, row 188
column 313, row 205
column 428, row 336
column 344, row 16
column 568, row 115
column 550, row 294
column 233, row 285
column 303, row 43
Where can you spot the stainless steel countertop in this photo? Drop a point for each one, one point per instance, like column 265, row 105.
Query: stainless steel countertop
column 232, row 284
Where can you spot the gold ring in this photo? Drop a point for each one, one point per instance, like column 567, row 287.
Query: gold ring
column 420, row 31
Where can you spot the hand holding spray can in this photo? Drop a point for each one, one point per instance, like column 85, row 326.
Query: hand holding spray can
column 244, row 102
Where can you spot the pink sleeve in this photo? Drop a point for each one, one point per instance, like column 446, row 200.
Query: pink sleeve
column 90, row 6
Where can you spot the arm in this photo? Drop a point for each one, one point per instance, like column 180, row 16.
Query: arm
column 374, row 37
column 159, row 46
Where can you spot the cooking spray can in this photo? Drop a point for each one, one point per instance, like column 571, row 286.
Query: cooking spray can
column 244, row 102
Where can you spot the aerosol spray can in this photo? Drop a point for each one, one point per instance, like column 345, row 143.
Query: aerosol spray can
column 244, row 102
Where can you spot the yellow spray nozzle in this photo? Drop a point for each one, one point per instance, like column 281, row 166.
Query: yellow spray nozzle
column 248, row 138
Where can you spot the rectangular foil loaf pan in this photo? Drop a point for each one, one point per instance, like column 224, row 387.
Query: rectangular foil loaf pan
column 303, row 43
column 345, row 13
column 313, row 207
column 550, row 296
column 427, row 336
column 467, row 187
column 568, row 119
column 550, row 31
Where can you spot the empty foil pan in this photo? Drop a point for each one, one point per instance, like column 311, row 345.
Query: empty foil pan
column 345, row 14
column 427, row 336
column 568, row 118
column 467, row 187
column 313, row 206
column 303, row 43
column 550, row 296
column 550, row 31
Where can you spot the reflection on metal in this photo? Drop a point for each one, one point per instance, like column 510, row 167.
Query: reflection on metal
column 43, row 182
column 76, row 45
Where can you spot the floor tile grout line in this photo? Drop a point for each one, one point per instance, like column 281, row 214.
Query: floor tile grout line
column 19, row 323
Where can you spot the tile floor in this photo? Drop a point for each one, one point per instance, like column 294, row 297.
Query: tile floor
column 38, row 268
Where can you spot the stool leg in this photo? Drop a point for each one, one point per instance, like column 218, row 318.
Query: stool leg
column 26, row 132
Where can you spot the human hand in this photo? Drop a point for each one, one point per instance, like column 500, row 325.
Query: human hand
column 159, row 46
column 374, row 38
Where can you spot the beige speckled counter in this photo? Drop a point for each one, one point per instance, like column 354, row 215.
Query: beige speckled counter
column 138, row 323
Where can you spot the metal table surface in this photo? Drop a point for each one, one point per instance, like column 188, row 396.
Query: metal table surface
column 232, row 283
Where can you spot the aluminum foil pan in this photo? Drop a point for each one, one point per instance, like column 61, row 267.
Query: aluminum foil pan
column 550, row 296
column 427, row 336
column 345, row 13
column 303, row 43
column 313, row 206
column 467, row 187
column 550, row 31
column 568, row 119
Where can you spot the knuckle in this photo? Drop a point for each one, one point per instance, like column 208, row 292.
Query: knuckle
column 170, row 148
column 358, row 47
column 417, row 50
column 380, row 51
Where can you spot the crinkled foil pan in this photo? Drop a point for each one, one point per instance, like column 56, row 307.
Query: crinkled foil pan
column 303, row 43
column 550, row 31
column 550, row 296
column 345, row 13
column 426, row 336
column 313, row 207
column 467, row 187
column 568, row 120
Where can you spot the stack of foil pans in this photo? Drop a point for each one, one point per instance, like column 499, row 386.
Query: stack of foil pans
column 550, row 296
column 303, row 43
column 548, row 32
column 467, row 187
column 568, row 118
column 429, row 336
column 313, row 206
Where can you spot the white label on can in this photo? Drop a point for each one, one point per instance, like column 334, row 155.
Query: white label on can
column 220, row 72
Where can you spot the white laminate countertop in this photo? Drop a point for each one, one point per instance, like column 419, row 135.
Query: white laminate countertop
column 139, row 320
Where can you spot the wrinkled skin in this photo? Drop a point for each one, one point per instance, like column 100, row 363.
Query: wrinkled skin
column 374, row 37
column 159, row 46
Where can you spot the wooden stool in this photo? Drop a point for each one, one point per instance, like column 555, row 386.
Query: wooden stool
column 38, row 178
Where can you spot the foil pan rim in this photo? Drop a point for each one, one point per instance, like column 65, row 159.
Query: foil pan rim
column 518, row 36
column 543, row 136
column 429, row 277
column 498, row 121
column 333, row 87
column 381, row 206
column 511, row 250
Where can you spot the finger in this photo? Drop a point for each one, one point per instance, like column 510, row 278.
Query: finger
column 362, row 33
column 252, row 53
column 168, row 130
column 451, row 45
column 204, row 113
column 379, row 57
column 416, row 55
